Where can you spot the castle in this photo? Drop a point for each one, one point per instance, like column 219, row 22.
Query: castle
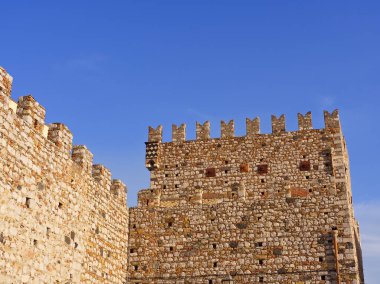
column 263, row 208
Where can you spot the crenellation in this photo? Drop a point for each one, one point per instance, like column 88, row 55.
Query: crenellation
column 119, row 189
column 278, row 124
column 61, row 136
column 332, row 120
column 263, row 208
column 59, row 222
column 264, row 204
column 252, row 126
column 305, row 121
column 155, row 134
column 179, row 133
column 102, row 175
column 83, row 157
column 6, row 81
column 203, row 131
column 227, row 129
column 31, row 112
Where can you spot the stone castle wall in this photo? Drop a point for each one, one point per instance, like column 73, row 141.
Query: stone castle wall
column 271, row 208
column 263, row 208
column 62, row 220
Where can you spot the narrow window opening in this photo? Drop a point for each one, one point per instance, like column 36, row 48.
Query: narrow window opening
column 262, row 180
column 261, row 279
column 136, row 267
column 259, row 244
column 132, row 250
column 210, row 282
column 171, row 248
column 35, row 243
column 261, row 261
column 60, row 205
column 214, row 246
column 27, row 202
column 215, row 264
column 320, row 259
column 323, row 277
column 170, row 224
column 164, row 186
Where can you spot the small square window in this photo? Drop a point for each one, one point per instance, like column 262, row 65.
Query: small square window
column 210, row 172
column 304, row 166
column 244, row 168
column 262, row 169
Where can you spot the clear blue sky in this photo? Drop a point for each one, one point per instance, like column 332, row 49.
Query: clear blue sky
column 108, row 69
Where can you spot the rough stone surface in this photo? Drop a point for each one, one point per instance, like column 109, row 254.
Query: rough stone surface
column 62, row 220
column 272, row 208
column 263, row 208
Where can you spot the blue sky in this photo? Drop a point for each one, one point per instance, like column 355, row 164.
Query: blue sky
column 108, row 69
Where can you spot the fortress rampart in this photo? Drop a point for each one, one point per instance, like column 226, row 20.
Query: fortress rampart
column 62, row 219
column 262, row 208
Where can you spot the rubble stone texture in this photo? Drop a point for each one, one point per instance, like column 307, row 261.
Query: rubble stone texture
column 263, row 208
column 62, row 219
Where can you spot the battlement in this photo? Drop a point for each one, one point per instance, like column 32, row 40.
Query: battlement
column 5, row 83
column 65, row 205
column 252, row 127
column 28, row 113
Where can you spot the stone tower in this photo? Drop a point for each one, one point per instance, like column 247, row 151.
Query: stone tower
column 264, row 208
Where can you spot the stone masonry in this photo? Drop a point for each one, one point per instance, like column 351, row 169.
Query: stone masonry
column 62, row 219
column 263, row 208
